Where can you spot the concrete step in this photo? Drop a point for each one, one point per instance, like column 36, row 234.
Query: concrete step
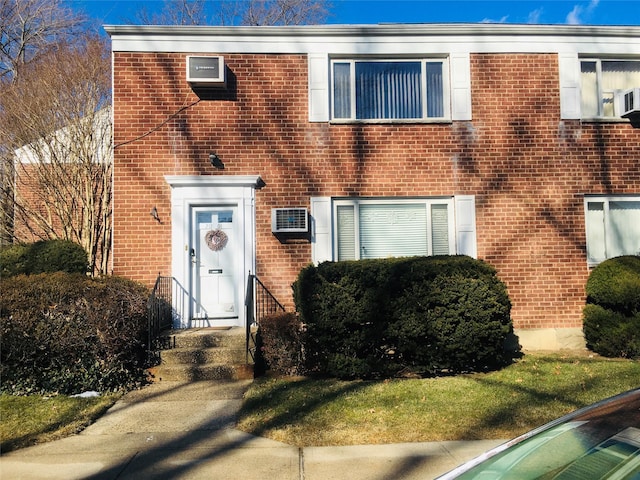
column 198, row 338
column 192, row 373
column 202, row 356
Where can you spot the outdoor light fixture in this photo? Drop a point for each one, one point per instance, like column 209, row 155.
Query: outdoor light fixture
column 154, row 214
column 215, row 161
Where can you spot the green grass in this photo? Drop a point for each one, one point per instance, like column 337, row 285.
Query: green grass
column 33, row 419
column 303, row 412
column 503, row 404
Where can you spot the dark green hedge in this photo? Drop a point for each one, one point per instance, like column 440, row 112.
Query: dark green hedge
column 45, row 256
column 376, row 318
column 67, row 333
column 612, row 314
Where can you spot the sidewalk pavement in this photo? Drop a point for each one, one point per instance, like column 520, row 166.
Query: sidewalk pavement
column 173, row 430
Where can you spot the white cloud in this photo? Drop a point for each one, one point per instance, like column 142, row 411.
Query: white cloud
column 534, row 16
column 581, row 13
column 502, row 20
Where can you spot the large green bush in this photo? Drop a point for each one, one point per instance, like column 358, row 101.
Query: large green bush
column 376, row 318
column 45, row 256
column 612, row 314
column 67, row 333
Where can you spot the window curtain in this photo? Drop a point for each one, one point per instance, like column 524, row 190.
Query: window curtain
column 598, row 92
column 341, row 90
column 435, row 90
column 595, row 232
column 617, row 76
column 388, row 90
column 624, row 228
column 613, row 229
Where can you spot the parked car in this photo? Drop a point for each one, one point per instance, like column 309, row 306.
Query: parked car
column 601, row 441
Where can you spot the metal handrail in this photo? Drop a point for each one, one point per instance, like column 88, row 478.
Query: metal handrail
column 159, row 315
column 259, row 302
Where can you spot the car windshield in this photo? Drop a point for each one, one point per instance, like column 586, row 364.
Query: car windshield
column 599, row 444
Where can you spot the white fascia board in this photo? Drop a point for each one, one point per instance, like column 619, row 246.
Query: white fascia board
column 214, row 181
column 379, row 39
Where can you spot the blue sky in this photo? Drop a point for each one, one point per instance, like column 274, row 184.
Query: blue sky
column 587, row 12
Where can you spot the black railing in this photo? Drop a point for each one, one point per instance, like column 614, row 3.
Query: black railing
column 159, row 316
column 259, row 303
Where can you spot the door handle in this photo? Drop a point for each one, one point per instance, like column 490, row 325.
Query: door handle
column 215, row 270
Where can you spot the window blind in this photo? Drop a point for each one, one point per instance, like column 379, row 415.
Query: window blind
column 346, row 232
column 388, row 90
column 393, row 230
column 439, row 229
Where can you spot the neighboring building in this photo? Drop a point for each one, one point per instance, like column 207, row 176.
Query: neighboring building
column 503, row 142
column 62, row 187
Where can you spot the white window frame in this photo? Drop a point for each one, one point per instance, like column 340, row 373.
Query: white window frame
column 606, row 231
column 427, row 201
column 446, row 90
column 600, row 115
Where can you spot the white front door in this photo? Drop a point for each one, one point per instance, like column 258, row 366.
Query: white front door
column 214, row 259
column 212, row 247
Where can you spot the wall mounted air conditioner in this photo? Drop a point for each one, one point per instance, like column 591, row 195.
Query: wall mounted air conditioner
column 289, row 220
column 207, row 71
column 630, row 102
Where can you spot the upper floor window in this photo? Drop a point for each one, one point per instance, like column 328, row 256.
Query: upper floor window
column 389, row 89
column 601, row 79
column 613, row 227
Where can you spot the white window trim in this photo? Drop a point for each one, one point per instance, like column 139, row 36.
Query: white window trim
column 446, row 90
column 605, row 200
column 322, row 227
column 427, row 201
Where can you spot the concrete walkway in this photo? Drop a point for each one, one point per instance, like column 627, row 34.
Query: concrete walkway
column 174, row 430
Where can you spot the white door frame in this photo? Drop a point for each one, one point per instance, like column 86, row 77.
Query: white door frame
column 195, row 191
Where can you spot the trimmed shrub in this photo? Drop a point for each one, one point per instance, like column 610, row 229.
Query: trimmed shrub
column 67, row 333
column 453, row 322
column 45, row 256
column 281, row 344
column 612, row 314
column 610, row 333
column 376, row 318
column 615, row 285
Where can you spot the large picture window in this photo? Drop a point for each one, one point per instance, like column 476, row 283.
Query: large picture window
column 389, row 89
column 601, row 79
column 613, row 227
column 380, row 228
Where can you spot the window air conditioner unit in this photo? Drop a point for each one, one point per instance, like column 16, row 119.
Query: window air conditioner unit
column 208, row 71
column 289, row 220
column 630, row 102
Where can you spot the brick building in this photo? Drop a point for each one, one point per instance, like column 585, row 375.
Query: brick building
column 503, row 142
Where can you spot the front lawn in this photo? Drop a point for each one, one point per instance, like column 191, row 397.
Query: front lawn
column 304, row 412
column 503, row 404
column 28, row 420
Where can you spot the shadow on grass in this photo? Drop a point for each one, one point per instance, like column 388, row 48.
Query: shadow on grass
column 547, row 397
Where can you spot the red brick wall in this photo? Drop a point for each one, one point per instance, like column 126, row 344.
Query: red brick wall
column 528, row 168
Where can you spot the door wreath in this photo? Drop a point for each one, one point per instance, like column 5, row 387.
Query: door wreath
column 216, row 240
